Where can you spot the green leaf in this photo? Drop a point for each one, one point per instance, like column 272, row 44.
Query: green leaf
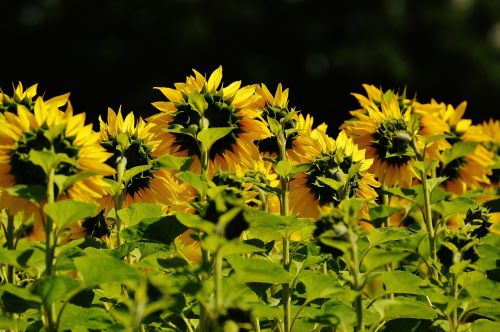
column 63, row 182
column 403, row 307
column 284, row 169
column 319, row 286
column 195, row 222
column 258, row 270
column 178, row 129
column 236, row 247
column 267, row 223
column 9, row 257
column 67, row 212
column 384, row 235
column 114, row 187
column 434, row 182
column 123, row 142
column 161, row 229
column 377, row 258
column 33, row 193
column 484, row 325
column 197, row 102
column 174, row 162
column 193, row 180
column 433, row 138
column 407, row 193
column 137, row 212
column 55, row 288
column 379, row 214
column 96, row 270
column 209, row 136
column 459, row 150
column 335, row 185
column 48, row 159
column 484, row 288
column 405, row 283
column 274, row 125
column 457, row 205
column 93, row 318
column 130, row 173
column 22, row 292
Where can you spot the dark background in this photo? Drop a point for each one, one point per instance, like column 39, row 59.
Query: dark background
column 113, row 52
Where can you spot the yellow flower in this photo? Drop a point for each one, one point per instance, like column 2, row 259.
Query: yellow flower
column 298, row 141
column 230, row 106
column 491, row 129
column 466, row 172
column 138, row 145
column 387, row 134
column 49, row 128
column 26, row 99
column 340, row 171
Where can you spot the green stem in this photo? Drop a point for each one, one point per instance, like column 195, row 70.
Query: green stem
column 218, row 280
column 119, row 198
column 428, row 220
column 358, row 302
column 454, row 315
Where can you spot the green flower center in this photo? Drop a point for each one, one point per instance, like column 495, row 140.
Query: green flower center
column 393, row 142
column 326, row 166
column 136, row 154
column 218, row 114
column 270, row 144
column 25, row 172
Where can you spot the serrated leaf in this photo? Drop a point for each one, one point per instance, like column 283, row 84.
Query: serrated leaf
column 265, row 222
column 33, row 193
column 197, row 102
column 67, row 212
column 258, row 270
column 384, row 235
column 136, row 212
column 174, row 162
column 319, row 286
column 93, row 318
column 484, row 289
column 130, row 173
column 405, row 283
column 403, row 307
column 209, row 136
column 377, row 258
column 484, row 325
column 434, row 182
column 96, row 270
column 285, row 169
column 457, row 205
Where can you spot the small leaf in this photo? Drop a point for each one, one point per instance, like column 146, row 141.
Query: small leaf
column 68, row 211
column 403, row 307
column 285, row 169
column 161, row 229
column 209, row 136
column 54, row 131
column 130, row 173
column 34, row 193
column 433, row 138
column 274, row 125
column 405, row 283
column 258, row 270
column 434, row 182
column 335, row 185
column 383, row 235
column 174, row 162
column 114, row 187
column 197, row 102
column 377, row 258
column 137, row 212
column 96, row 270
column 63, row 182
column 195, row 222
column 319, row 286
column 93, row 318
column 178, row 129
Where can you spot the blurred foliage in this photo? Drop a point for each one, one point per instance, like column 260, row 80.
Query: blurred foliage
column 113, row 52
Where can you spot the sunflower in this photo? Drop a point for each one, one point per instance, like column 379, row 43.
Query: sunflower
column 49, row 128
column 469, row 170
column 491, row 128
column 138, row 145
column 340, row 171
column 26, row 99
column 387, row 134
column 298, row 141
column 231, row 106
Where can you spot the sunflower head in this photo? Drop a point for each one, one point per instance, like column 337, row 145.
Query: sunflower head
column 337, row 173
column 478, row 221
column 26, row 99
column 202, row 103
column 491, row 128
column 70, row 145
column 457, row 247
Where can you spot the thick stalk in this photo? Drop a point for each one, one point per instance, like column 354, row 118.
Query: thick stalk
column 119, row 198
column 358, row 303
column 50, row 243
column 284, row 209
column 428, row 218
column 454, row 314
